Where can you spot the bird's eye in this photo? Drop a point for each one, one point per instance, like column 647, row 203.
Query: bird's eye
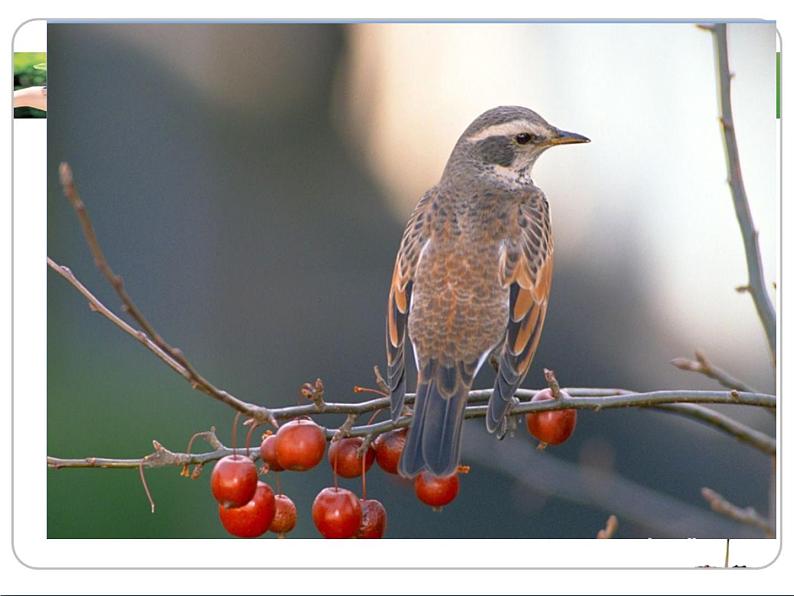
column 523, row 138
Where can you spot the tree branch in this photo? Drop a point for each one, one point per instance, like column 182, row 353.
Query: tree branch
column 745, row 515
column 755, row 270
column 251, row 410
column 679, row 402
column 739, row 431
column 703, row 366
column 161, row 457
column 581, row 398
column 609, row 529
column 756, row 284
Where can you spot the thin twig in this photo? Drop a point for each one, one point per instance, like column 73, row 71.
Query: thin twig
column 257, row 412
column 609, row 530
column 745, row 515
column 116, row 282
column 702, row 365
column 551, row 380
column 755, row 270
column 97, row 306
column 379, row 380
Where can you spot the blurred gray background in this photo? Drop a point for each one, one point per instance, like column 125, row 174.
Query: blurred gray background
column 251, row 183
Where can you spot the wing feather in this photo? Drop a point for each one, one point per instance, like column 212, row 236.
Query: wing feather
column 527, row 264
column 413, row 241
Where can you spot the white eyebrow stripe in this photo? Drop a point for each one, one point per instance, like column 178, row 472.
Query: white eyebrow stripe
column 507, row 129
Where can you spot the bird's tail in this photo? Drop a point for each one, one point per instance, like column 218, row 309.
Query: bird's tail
column 435, row 435
column 507, row 381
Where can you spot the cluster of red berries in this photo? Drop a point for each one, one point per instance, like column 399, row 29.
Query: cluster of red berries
column 248, row 507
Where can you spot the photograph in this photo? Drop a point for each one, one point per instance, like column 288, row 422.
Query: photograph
column 410, row 280
column 30, row 85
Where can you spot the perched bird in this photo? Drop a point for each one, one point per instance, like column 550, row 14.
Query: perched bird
column 471, row 279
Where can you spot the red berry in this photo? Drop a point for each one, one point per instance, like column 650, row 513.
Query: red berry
column 552, row 427
column 300, row 445
column 233, row 481
column 336, row 513
column 252, row 519
column 373, row 519
column 286, row 516
column 344, row 458
column 436, row 491
column 388, row 449
column 267, row 451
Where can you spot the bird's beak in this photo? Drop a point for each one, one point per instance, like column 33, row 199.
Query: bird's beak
column 567, row 138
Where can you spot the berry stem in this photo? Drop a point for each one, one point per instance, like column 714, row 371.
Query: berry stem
column 375, row 415
column 248, row 438
column 364, row 475
column 234, row 433
column 336, row 478
column 146, row 486
column 360, row 389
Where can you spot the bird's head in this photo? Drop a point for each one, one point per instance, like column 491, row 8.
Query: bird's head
column 504, row 143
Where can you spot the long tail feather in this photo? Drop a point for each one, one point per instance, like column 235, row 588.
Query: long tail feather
column 507, row 381
column 435, row 436
column 412, row 460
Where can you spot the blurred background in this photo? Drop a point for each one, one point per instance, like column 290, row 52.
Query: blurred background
column 251, row 184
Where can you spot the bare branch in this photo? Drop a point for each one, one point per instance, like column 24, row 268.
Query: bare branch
column 703, row 366
column 160, row 458
column 580, row 398
column 116, row 282
column 755, row 270
column 679, row 402
column 257, row 412
column 746, row 515
column 95, row 305
column 739, row 431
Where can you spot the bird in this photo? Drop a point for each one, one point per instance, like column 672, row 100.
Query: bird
column 471, row 280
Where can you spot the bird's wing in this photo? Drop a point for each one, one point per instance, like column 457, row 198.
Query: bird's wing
column 526, row 265
column 414, row 239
